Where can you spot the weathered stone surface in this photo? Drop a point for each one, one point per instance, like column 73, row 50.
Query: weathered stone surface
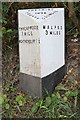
column 41, row 47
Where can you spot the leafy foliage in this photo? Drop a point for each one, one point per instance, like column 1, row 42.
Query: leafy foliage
column 57, row 105
column 20, row 100
column 4, row 102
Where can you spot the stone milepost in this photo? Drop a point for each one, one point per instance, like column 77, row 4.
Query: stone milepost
column 41, row 49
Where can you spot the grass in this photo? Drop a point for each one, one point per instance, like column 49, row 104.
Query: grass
column 62, row 103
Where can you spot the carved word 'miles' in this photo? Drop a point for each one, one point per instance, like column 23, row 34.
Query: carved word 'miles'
column 52, row 30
